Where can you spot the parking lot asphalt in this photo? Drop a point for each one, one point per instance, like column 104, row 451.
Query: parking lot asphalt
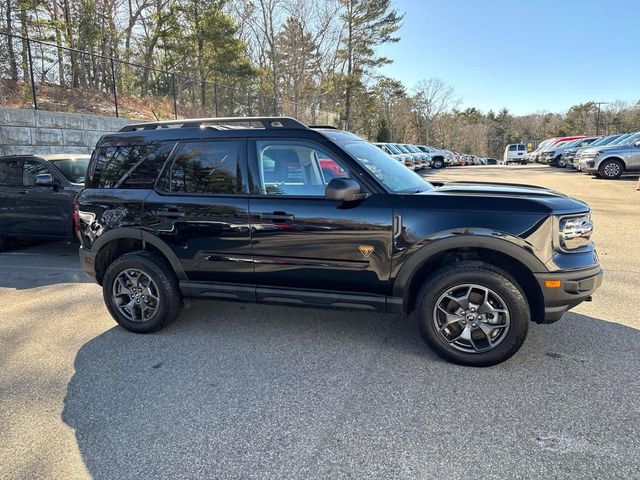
column 242, row 391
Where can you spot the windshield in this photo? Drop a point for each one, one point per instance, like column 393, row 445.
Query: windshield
column 543, row 145
column 413, row 149
column 605, row 140
column 572, row 143
column 630, row 139
column 621, row 139
column 402, row 148
column 73, row 169
column 392, row 174
column 394, row 149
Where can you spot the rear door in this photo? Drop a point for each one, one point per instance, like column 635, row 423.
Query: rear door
column 199, row 208
column 521, row 150
column 10, row 185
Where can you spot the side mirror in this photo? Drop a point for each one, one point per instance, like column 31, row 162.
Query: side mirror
column 637, row 143
column 44, row 180
column 344, row 189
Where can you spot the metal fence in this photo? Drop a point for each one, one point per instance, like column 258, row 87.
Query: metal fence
column 45, row 76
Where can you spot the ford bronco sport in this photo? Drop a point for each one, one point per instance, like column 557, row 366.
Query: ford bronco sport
column 269, row 210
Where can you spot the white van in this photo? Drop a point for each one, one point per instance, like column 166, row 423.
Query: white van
column 515, row 153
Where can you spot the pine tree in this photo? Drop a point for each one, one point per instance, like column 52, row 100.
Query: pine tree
column 368, row 24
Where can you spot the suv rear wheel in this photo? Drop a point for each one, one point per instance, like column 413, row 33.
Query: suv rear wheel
column 141, row 292
column 473, row 314
column 610, row 169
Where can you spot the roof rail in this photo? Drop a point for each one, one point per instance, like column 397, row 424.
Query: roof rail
column 330, row 127
column 266, row 122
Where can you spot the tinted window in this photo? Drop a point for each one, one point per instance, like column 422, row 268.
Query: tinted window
column 206, row 167
column 520, row 147
column 296, row 168
column 127, row 166
column 73, row 169
column 30, row 170
column 512, row 148
column 11, row 173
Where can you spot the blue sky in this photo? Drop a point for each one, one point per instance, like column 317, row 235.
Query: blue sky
column 527, row 55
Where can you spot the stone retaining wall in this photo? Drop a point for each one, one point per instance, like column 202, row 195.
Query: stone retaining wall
column 41, row 132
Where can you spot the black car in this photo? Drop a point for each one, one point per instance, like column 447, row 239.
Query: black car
column 243, row 209
column 37, row 193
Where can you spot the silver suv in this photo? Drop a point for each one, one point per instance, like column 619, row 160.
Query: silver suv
column 612, row 161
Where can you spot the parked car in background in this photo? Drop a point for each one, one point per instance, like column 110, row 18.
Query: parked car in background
column 570, row 153
column 492, row 161
column 416, row 158
column 514, row 153
column 391, row 149
column 423, row 158
column 37, row 193
column 440, row 158
column 554, row 155
column 532, row 157
column 611, row 162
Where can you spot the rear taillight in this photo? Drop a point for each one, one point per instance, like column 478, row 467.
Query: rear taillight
column 76, row 218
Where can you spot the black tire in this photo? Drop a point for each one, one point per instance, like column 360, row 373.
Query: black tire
column 611, row 169
column 438, row 163
column 560, row 162
column 168, row 291
column 485, row 275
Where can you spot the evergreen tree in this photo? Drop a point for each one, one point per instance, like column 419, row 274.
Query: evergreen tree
column 368, row 24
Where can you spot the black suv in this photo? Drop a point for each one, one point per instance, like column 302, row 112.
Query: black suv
column 37, row 193
column 269, row 210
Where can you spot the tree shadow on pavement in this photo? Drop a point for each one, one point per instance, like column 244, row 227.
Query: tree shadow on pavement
column 237, row 391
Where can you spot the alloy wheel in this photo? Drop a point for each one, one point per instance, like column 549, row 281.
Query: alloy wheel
column 136, row 295
column 612, row 169
column 471, row 318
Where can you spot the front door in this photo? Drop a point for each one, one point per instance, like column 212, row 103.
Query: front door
column 302, row 240
column 43, row 210
column 200, row 209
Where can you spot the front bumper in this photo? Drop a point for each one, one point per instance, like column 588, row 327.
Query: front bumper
column 575, row 287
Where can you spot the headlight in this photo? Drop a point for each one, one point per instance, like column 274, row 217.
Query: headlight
column 575, row 232
column 590, row 154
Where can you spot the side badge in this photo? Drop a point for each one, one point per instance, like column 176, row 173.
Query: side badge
column 366, row 250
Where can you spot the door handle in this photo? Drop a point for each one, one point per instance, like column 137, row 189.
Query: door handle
column 277, row 217
column 170, row 212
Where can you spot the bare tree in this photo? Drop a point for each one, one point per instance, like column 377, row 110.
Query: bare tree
column 431, row 98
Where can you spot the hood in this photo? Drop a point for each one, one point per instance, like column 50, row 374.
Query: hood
column 510, row 197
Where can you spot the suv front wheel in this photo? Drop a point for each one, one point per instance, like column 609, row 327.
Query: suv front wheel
column 141, row 292
column 610, row 169
column 473, row 314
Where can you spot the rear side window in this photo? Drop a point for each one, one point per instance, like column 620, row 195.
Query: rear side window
column 210, row 167
column 127, row 166
column 11, row 173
